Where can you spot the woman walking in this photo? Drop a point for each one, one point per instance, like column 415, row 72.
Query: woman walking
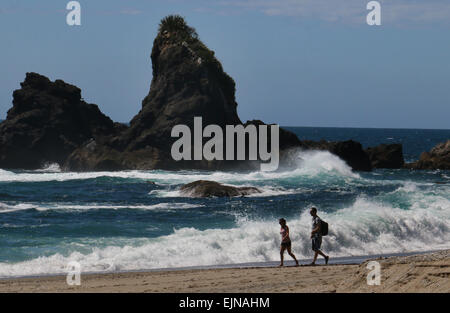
column 285, row 241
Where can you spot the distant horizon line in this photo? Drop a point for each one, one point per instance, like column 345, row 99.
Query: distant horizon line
column 343, row 127
column 357, row 127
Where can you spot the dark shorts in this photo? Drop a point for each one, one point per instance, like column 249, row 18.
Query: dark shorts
column 316, row 243
column 286, row 244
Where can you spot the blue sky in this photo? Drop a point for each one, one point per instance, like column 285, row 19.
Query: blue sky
column 295, row 62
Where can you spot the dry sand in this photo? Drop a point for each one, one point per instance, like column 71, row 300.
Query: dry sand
column 418, row 273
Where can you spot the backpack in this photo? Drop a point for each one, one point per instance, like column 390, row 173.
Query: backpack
column 323, row 228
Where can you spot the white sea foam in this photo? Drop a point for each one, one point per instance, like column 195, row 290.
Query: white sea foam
column 309, row 164
column 50, row 168
column 380, row 224
column 266, row 191
column 315, row 162
column 5, row 173
column 5, row 208
column 365, row 227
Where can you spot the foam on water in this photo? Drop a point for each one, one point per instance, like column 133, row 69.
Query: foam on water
column 6, row 208
column 367, row 226
column 411, row 216
column 50, row 168
column 266, row 191
column 310, row 164
column 315, row 162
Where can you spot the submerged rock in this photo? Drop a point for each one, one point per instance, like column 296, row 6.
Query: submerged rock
column 386, row 156
column 206, row 188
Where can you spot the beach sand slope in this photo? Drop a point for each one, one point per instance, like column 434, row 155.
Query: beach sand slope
column 417, row 273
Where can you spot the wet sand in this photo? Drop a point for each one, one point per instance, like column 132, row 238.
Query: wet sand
column 417, row 273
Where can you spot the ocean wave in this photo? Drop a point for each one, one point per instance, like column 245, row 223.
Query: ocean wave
column 6, row 208
column 394, row 216
column 367, row 226
column 309, row 164
column 7, row 225
column 49, row 168
column 266, row 191
column 4, row 173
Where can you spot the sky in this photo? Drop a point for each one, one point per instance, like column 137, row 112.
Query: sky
column 295, row 62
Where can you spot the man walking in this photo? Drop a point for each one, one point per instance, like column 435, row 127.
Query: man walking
column 316, row 236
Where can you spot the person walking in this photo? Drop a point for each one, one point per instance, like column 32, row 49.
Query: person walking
column 285, row 241
column 316, row 236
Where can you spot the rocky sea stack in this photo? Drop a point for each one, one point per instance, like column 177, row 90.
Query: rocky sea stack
column 188, row 81
column 47, row 122
column 51, row 123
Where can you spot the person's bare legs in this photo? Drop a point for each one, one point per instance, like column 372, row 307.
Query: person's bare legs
column 282, row 255
column 316, row 253
column 292, row 255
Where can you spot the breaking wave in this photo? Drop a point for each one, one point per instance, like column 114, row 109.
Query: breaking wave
column 368, row 226
column 6, row 208
column 310, row 164
column 413, row 214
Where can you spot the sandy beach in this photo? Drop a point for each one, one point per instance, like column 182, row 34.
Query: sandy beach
column 417, row 273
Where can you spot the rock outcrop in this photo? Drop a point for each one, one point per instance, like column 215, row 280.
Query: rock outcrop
column 47, row 122
column 50, row 122
column 205, row 189
column 350, row 151
column 188, row 81
column 436, row 158
column 386, row 156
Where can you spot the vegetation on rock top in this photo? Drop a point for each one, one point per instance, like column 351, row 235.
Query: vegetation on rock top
column 174, row 29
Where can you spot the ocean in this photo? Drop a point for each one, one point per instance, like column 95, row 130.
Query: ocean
column 119, row 221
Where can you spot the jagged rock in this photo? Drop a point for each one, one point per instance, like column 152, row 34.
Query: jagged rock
column 47, row 122
column 50, row 123
column 287, row 139
column 436, row 158
column 386, row 156
column 205, row 188
column 92, row 156
column 182, row 88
